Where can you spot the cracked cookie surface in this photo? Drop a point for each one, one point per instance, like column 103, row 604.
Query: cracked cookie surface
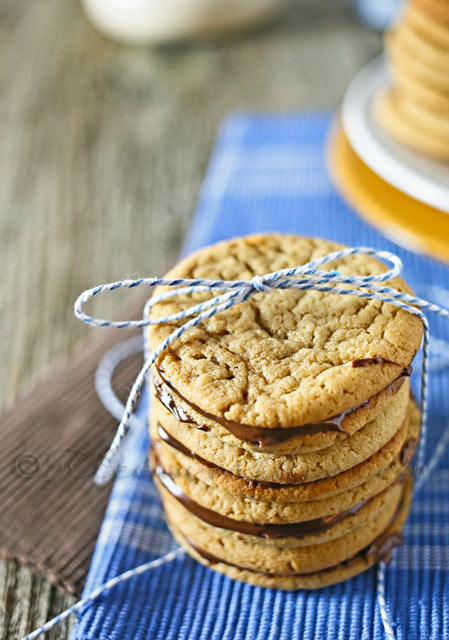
column 285, row 358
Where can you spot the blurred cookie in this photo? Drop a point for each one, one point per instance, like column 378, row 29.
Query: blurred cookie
column 416, row 110
column 405, row 122
column 436, row 9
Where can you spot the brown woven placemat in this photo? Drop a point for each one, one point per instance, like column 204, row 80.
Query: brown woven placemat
column 52, row 441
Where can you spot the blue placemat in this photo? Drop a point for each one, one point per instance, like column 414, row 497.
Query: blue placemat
column 268, row 173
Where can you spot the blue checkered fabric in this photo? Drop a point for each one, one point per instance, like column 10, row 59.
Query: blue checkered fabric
column 268, row 174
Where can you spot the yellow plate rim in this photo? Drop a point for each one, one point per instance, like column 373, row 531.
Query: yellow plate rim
column 407, row 221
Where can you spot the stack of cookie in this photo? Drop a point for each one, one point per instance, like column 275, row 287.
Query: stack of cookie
column 282, row 429
column 416, row 110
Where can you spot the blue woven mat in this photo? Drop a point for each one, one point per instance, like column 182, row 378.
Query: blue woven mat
column 268, row 173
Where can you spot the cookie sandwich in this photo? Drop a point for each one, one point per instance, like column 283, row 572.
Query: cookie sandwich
column 283, row 428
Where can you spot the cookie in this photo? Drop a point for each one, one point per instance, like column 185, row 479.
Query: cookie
column 364, row 480
column 401, row 121
column 317, row 520
column 301, row 439
column 294, row 553
column 296, row 468
column 400, row 56
column 408, row 84
column 430, row 50
column 287, row 358
column 358, row 561
column 424, row 23
column 424, row 117
column 438, row 10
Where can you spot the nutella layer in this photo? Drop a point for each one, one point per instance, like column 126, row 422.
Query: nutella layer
column 266, row 437
column 294, row 466
column 268, row 531
column 379, row 550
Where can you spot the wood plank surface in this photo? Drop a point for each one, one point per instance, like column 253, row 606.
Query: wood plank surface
column 103, row 149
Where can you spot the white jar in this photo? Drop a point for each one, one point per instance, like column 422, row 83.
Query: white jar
column 144, row 21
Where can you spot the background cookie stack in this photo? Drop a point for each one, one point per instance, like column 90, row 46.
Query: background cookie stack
column 416, row 110
column 283, row 428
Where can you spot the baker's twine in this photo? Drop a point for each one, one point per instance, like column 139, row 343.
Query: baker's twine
column 304, row 277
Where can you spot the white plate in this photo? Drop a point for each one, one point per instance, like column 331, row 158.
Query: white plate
column 422, row 178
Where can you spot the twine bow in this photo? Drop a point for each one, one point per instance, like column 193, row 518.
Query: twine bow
column 303, row 277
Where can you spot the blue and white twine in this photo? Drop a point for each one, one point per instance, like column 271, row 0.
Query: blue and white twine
column 305, row 277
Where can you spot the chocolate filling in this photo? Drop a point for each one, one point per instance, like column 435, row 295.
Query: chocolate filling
column 407, row 451
column 260, row 436
column 175, row 444
column 269, row 531
column 379, row 550
column 365, row 362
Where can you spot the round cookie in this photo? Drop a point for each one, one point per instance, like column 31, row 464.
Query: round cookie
column 424, row 23
column 287, row 469
column 306, row 554
column 423, row 117
column 436, row 9
column 400, row 57
column 364, row 480
column 409, row 84
column 379, row 549
column 289, row 441
column 285, row 358
column 390, row 113
column 318, row 520
column 429, row 50
column 270, row 510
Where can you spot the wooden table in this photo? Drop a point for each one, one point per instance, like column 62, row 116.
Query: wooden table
column 103, row 149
